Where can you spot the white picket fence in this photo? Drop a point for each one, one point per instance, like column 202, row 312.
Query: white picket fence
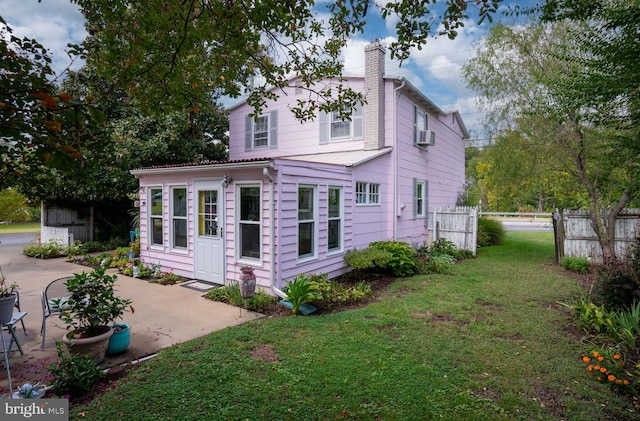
column 456, row 224
column 575, row 236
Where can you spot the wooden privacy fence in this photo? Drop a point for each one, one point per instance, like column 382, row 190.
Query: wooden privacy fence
column 457, row 224
column 575, row 237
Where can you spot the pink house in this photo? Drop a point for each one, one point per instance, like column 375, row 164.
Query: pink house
column 294, row 197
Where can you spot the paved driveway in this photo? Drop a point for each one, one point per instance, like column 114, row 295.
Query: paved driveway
column 164, row 314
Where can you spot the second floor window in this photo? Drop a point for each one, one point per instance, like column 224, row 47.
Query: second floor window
column 420, row 123
column 333, row 127
column 262, row 131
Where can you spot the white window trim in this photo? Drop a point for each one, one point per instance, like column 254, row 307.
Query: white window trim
column 151, row 217
column 368, row 193
column 172, row 189
column 238, row 245
column 315, row 233
column 340, row 217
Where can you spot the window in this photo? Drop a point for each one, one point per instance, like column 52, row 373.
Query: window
column 367, row 193
column 155, row 216
column 333, row 127
column 334, row 219
column 262, row 131
column 420, row 198
column 249, row 222
column 339, row 128
column 179, row 217
column 420, row 123
column 306, row 221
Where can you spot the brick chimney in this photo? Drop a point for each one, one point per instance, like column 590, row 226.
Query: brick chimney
column 374, row 95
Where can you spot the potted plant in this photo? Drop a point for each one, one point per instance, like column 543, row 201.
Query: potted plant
column 7, row 299
column 90, row 308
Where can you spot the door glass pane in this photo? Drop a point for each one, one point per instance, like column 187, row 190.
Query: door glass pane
column 208, row 213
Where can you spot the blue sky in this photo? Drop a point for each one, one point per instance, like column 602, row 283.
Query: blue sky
column 435, row 70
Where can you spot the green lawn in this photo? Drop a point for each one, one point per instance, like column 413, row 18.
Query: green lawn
column 20, row 228
column 487, row 341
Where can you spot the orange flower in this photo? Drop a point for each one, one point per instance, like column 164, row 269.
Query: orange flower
column 618, row 381
column 596, row 354
column 590, row 368
column 586, row 359
column 611, row 377
column 596, row 367
column 600, row 358
column 603, row 370
column 616, row 356
column 599, row 379
column 625, row 381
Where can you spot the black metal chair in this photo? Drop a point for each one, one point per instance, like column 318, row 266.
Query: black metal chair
column 53, row 299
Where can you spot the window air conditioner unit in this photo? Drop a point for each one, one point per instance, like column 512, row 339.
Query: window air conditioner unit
column 426, row 138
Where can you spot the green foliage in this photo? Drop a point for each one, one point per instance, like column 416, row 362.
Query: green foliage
column 92, row 302
column 444, row 246
column 299, row 291
column 73, row 374
column 591, row 317
column 367, row 260
column 204, row 39
column 231, row 294
column 608, row 366
column 402, row 262
column 434, row 263
column 332, row 292
column 14, row 207
column 490, row 232
column 51, row 248
column 576, row 264
column 617, row 283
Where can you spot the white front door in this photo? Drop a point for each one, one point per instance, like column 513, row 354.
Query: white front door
column 209, row 234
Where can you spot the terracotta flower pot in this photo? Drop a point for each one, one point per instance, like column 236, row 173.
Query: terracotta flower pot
column 93, row 346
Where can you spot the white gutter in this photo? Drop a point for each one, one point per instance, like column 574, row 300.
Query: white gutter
column 396, row 199
column 272, row 234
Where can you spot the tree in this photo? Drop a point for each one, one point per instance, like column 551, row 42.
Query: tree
column 532, row 75
column 170, row 54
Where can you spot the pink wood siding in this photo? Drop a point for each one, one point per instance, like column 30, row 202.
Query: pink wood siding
column 322, row 176
column 180, row 262
column 294, row 137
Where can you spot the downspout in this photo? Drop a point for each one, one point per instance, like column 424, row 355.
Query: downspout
column 272, row 234
column 396, row 199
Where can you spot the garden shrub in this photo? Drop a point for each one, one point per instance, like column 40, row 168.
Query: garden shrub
column 617, row 284
column 367, row 260
column 333, row 292
column 49, row 249
column 576, row 264
column 444, row 246
column 434, row 263
column 402, row 262
column 73, row 374
column 490, row 232
column 231, row 294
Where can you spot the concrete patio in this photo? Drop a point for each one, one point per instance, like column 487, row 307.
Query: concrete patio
column 164, row 315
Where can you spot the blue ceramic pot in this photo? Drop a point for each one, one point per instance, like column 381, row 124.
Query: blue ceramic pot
column 120, row 339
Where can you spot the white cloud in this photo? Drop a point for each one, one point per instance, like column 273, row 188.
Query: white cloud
column 53, row 23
